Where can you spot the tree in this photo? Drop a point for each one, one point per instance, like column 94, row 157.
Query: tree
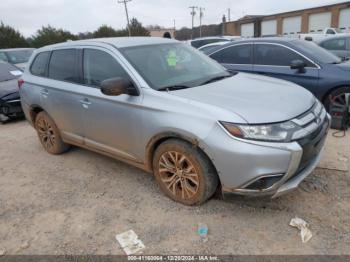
column 85, row 35
column 50, row 35
column 107, row 31
column 11, row 38
column 137, row 29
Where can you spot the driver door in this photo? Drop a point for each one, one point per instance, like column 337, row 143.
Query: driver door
column 274, row 60
column 112, row 123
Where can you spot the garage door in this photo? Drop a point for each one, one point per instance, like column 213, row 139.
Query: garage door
column 247, row 30
column 344, row 20
column 269, row 28
column 292, row 25
column 318, row 22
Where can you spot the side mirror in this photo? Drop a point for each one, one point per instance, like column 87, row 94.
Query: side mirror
column 299, row 65
column 116, row 86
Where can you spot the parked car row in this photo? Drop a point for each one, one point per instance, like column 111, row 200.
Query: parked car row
column 169, row 109
column 298, row 61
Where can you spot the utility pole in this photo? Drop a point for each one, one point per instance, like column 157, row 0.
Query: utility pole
column 126, row 12
column 193, row 13
column 229, row 14
column 201, row 14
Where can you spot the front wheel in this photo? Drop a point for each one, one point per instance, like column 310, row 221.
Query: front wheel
column 338, row 97
column 184, row 173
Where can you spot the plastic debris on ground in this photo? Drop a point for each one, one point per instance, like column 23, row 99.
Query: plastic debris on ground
column 303, row 226
column 130, row 242
column 203, row 232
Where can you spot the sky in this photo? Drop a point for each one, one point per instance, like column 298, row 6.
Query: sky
column 87, row 15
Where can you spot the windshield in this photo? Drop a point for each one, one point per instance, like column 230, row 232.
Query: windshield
column 19, row 56
column 167, row 65
column 321, row 55
column 8, row 72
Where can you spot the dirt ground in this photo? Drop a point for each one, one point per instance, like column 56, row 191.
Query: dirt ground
column 77, row 202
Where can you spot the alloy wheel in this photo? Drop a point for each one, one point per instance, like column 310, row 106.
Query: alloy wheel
column 341, row 100
column 46, row 133
column 178, row 175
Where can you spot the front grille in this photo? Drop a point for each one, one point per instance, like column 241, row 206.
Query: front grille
column 312, row 144
column 310, row 122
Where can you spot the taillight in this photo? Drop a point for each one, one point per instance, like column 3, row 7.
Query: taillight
column 20, row 83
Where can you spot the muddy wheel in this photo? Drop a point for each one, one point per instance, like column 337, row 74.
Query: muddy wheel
column 184, row 173
column 49, row 134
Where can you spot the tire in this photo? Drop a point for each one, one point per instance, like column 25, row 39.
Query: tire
column 192, row 181
column 337, row 93
column 49, row 135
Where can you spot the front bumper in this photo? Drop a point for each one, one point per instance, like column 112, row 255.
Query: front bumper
column 266, row 161
column 11, row 108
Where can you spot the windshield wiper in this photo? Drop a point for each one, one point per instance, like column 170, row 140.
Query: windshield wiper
column 214, row 79
column 173, row 88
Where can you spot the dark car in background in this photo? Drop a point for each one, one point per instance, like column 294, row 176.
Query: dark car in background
column 10, row 104
column 202, row 41
column 16, row 56
column 302, row 62
column 338, row 45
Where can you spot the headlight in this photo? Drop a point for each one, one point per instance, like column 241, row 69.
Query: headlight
column 281, row 132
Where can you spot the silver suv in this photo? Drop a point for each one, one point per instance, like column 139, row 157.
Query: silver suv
column 165, row 107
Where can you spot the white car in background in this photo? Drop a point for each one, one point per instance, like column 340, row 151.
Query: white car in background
column 16, row 56
column 327, row 32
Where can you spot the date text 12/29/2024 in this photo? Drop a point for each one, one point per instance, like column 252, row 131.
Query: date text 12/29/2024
column 173, row 258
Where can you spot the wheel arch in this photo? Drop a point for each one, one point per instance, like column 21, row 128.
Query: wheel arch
column 158, row 139
column 34, row 111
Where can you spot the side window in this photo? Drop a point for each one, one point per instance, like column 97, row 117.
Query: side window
column 238, row 54
column 3, row 57
column 335, row 44
column 38, row 67
column 99, row 66
column 63, row 65
column 330, row 32
column 276, row 55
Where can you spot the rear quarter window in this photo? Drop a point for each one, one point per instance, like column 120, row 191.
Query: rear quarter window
column 39, row 64
column 63, row 65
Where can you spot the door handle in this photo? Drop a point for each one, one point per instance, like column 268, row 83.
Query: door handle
column 85, row 102
column 44, row 92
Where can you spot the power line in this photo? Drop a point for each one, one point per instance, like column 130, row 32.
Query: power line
column 126, row 12
column 193, row 13
column 201, row 14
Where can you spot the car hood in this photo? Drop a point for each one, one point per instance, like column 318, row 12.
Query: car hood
column 8, row 87
column 344, row 66
column 257, row 99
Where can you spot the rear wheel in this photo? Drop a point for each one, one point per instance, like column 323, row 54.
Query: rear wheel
column 339, row 97
column 49, row 134
column 184, row 173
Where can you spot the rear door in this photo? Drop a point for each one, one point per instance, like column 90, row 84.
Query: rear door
column 238, row 57
column 274, row 60
column 61, row 95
